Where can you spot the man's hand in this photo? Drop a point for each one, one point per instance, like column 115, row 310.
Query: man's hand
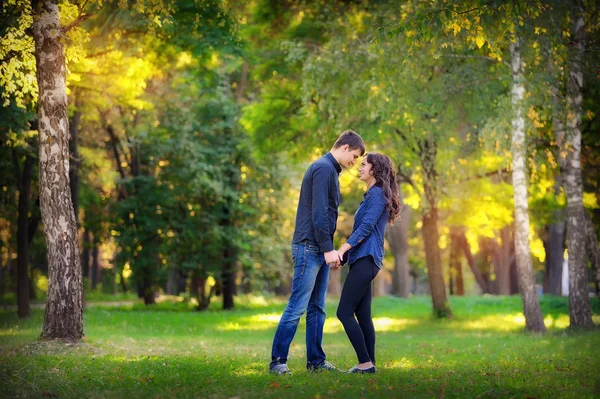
column 332, row 259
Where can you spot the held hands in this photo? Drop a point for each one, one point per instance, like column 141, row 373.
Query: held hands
column 341, row 252
column 340, row 260
column 332, row 258
column 335, row 258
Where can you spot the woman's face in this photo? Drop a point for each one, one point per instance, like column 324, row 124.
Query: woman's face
column 366, row 170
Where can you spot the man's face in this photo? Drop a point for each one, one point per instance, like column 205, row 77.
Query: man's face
column 349, row 157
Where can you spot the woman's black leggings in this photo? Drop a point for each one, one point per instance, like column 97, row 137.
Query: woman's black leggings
column 356, row 300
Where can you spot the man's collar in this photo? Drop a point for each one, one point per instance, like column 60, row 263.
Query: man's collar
column 334, row 162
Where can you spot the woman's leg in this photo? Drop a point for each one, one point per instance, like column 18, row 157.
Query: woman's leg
column 363, row 314
column 355, row 287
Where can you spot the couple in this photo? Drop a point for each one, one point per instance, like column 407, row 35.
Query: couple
column 313, row 255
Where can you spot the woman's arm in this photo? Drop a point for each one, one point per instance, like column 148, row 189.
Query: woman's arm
column 375, row 203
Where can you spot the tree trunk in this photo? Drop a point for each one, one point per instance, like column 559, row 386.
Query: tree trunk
column 172, row 286
column 466, row 249
column 123, row 283
column 23, row 280
column 63, row 317
column 95, row 267
column 501, row 257
column 455, row 280
column 452, row 265
column 85, row 256
column 228, row 287
column 230, row 256
column 591, row 245
column 579, row 302
column 380, row 284
column 553, row 245
column 485, row 263
column 441, row 307
column 397, row 237
column 334, row 287
column 430, row 232
column 555, row 231
column 75, row 161
column 148, row 288
column 531, row 307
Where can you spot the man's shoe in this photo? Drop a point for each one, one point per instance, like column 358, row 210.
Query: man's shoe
column 280, row 369
column 356, row 370
column 325, row 366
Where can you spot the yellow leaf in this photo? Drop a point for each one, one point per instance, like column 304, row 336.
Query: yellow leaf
column 480, row 41
column 590, row 201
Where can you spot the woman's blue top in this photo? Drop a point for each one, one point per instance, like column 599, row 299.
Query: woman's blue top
column 370, row 221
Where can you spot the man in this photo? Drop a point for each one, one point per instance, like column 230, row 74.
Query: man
column 313, row 253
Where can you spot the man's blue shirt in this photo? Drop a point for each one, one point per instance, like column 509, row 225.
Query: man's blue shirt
column 370, row 221
column 317, row 213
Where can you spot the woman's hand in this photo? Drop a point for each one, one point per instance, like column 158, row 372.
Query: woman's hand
column 342, row 251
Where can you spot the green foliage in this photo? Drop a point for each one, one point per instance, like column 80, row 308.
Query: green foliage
column 217, row 107
column 17, row 69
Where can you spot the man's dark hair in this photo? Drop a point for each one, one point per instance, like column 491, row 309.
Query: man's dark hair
column 353, row 139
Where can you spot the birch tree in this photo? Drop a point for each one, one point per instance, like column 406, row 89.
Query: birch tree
column 531, row 307
column 580, row 314
column 64, row 302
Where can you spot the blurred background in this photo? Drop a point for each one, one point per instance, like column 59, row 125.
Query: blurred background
column 192, row 122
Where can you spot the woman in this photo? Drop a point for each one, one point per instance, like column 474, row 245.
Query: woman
column 380, row 206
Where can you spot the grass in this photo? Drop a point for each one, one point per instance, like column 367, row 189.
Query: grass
column 167, row 351
column 10, row 298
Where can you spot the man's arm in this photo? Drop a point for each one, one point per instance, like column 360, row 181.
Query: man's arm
column 320, row 202
column 321, row 178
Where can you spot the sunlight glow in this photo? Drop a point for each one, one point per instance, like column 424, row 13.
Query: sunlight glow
column 508, row 322
column 512, row 322
column 403, row 363
column 388, row 324
column 561, row 321
column 269, row 318
column 257, row 322
column 332, row 324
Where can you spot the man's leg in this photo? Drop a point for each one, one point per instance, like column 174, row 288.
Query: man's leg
column 315, row 316
column 303, row 283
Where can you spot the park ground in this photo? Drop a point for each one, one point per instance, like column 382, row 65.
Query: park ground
column 169, row 351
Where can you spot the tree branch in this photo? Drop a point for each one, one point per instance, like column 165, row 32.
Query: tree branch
column 480, row 57
column 403, row 177
column 406, row 141
column 80, row 18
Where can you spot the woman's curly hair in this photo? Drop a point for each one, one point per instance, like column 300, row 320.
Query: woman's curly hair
column 385, row 177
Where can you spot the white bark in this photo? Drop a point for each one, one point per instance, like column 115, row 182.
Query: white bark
column 580, row 312
column 64, row 302
column 531, row 306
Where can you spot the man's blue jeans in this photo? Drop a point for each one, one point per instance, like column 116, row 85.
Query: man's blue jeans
column 309, row 290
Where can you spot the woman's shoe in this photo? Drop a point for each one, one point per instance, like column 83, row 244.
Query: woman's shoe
column 356, row 370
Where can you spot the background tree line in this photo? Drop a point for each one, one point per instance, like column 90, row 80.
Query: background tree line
column 185, row 127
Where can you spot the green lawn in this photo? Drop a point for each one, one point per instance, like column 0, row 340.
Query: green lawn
column 133, row 352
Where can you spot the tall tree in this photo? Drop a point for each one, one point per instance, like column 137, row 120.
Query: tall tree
column 580, row 313
column 397, row 237
column 64, row 302
column 24, row 179
column 531, row 306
